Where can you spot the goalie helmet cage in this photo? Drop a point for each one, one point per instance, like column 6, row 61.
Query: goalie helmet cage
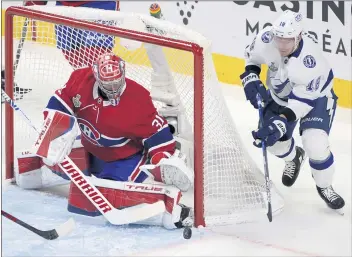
column 228, row 186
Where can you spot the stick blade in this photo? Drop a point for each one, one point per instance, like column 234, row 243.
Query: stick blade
column 270, row 213
column 135, row 213
column 66, row 228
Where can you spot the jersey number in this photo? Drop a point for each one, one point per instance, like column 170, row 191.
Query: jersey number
column 158, row 122
column 314, row 84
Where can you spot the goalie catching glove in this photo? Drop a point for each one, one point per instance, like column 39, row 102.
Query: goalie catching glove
column 57, row 137
column 170, row 169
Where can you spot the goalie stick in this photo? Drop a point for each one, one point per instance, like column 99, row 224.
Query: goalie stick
column 113, row 215
column 62, row 230
column 265, row 159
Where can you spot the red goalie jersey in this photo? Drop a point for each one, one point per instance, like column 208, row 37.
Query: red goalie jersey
column 113, row 131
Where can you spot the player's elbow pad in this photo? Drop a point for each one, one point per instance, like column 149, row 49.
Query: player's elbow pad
column 56, row 137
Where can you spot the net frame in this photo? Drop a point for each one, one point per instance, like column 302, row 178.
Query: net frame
column 248, row 194
column 193, row 48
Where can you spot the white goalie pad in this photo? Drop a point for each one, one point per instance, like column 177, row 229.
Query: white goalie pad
column 27, row 169
column 167, row 218
column 31, row 173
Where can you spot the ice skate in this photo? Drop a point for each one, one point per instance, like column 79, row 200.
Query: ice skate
column 186, row 219
column 332, row 199
column 293, row 167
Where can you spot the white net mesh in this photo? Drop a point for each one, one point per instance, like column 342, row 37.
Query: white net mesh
column 234, row 188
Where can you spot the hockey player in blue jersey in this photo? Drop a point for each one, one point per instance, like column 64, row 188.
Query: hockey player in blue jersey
column 81, row 47
column 299, row 81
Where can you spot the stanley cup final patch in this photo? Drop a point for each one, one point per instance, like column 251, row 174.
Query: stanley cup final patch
column 76, row 101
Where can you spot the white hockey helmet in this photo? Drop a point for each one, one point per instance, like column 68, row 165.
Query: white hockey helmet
column 287, row 26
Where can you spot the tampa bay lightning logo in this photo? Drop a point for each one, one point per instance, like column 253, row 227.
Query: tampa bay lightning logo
column 89, row 131
column 267, row 37
column 309, row 61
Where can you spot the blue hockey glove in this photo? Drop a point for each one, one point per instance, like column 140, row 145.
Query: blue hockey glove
column 271, row 131
column 252, row 86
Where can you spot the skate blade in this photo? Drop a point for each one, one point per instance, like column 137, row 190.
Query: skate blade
column 340, row 211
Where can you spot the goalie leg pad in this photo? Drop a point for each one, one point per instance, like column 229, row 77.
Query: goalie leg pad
column 31, row 172
column 28, row 173
column 128, row 194
column 78, row 203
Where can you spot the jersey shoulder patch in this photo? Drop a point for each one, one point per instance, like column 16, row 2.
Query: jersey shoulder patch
column 265, row 35
column 309, row 61
column 261, row 45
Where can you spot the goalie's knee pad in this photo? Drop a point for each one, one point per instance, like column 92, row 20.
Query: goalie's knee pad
column 31, row 171
column 28, row 170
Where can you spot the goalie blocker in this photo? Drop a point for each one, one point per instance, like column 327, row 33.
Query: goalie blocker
column 122, row 182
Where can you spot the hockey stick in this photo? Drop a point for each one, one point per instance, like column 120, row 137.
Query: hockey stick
column 62, row 230
column 265, row 158
column 113, row 215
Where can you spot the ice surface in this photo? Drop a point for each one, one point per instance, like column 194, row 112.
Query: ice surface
column 305, row 228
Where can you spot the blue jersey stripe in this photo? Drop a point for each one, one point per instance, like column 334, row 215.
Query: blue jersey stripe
column 158, row 138
column 55, row 104
column 328, row 81
column 303, row 100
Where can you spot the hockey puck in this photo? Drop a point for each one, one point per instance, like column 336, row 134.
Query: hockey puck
column 187, row 233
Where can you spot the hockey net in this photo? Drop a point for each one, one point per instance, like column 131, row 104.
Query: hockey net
column 228, row 187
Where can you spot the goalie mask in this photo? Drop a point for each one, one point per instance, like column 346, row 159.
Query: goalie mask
column 287, row 30
column 109, row 71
